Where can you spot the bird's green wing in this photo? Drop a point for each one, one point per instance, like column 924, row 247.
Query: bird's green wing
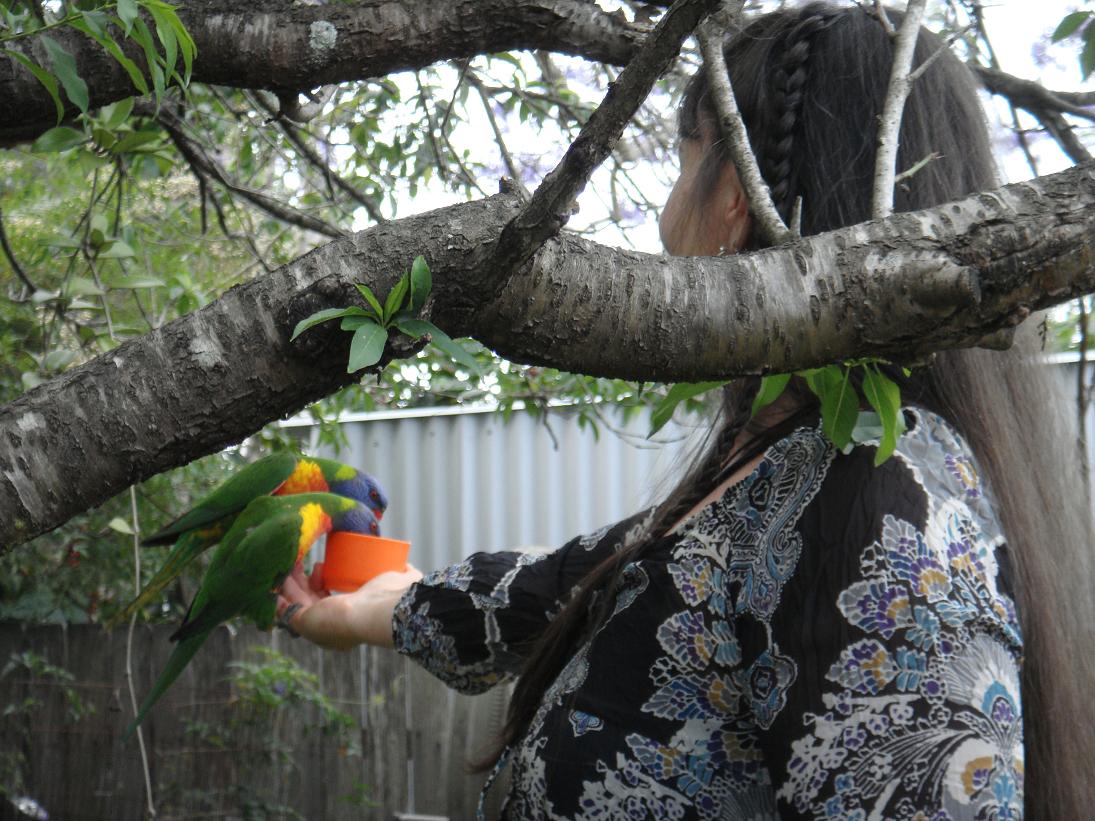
column 231, row 496
column 252, row 560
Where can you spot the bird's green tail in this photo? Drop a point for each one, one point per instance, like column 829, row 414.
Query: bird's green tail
column 180, row 657
column 184, row 552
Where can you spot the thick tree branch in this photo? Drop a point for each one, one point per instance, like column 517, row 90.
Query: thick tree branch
column 288, row 47
column 912, row 283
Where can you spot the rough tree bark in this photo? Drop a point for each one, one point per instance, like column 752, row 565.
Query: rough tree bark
column 285, row 46
column 900, row 287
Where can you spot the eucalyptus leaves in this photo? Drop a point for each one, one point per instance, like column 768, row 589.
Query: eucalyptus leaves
column 842, row 421
column 372, row 325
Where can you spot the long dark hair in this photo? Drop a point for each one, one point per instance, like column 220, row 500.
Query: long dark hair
column 810, row 83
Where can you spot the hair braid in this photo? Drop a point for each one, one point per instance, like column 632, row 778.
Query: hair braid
column 775, row 154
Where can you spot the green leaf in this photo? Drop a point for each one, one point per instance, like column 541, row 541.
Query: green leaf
column 128, row 11
column 455, row 350
column 80, row 286
column 884, row 395
column 187, row 46
column 136, row 76
column 65, row 66
column 133, row 141
column 116, row 249
column 395, row 298
column 421, row 283
column 166, row 32
column 120, row 525
column 142, row 34
column 370, row 297
column 770, row 389
column 416, row 328
column 663, row 412
column 43, row 76
column 1087, row 56
column 167, row 13
column 58, row 139
column 366, row 347
column 1069, row 24
column 58, row 360
column 839, row 405
column 352, row 323
column 321, row 316
column 117, row 113
column 94, row 23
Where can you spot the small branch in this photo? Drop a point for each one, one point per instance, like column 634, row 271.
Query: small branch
column 1083, row 396
column 550, row 206
column 908, row 172
column 732, row 129
column 884, row 18
column 295, row 136
column 195, row 155
column 431, row 127
column 507, row 158
column 935, row 55
column 12, row 261
column 1062, row 132
column 890, row 124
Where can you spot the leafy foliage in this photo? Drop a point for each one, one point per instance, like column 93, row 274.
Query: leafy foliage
column 18, row 717
column 842, row 420
column 371, row 325
column 276, row 704
column 1079, row 23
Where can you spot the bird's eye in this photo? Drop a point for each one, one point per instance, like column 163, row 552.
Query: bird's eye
column 373, row 494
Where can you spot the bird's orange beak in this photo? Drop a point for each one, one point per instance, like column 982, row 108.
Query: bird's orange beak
column 379, row 514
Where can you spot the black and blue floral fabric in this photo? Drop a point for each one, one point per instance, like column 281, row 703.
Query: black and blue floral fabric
column 829, row 639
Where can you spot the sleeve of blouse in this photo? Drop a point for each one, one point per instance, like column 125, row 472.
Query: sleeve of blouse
column 471, row 624
column 906, row 646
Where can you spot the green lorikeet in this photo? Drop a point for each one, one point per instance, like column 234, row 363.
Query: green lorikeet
column 263, row 544
column 277, row 474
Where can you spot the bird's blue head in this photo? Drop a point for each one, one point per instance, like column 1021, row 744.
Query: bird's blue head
column 365, row 489
column 359, row 519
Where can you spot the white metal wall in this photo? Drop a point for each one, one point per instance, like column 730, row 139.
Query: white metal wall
column 469, row 481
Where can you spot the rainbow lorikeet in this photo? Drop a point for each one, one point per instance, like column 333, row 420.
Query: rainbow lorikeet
column 278, row 474
column 263, row 544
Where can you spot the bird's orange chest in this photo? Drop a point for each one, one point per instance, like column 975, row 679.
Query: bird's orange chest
column 307, row 477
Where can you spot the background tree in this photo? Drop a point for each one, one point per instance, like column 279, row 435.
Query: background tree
column 177, row 173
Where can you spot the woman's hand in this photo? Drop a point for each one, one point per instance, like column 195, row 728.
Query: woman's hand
column 342, row 622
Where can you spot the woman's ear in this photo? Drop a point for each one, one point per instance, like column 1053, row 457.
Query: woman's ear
column 733, row 211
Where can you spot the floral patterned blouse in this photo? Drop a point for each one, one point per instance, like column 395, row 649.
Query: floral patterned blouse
column 829, row 639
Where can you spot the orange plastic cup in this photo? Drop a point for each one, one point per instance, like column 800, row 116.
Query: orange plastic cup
column 352, row 559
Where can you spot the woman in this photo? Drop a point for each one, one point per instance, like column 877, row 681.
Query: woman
column 795, row 632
